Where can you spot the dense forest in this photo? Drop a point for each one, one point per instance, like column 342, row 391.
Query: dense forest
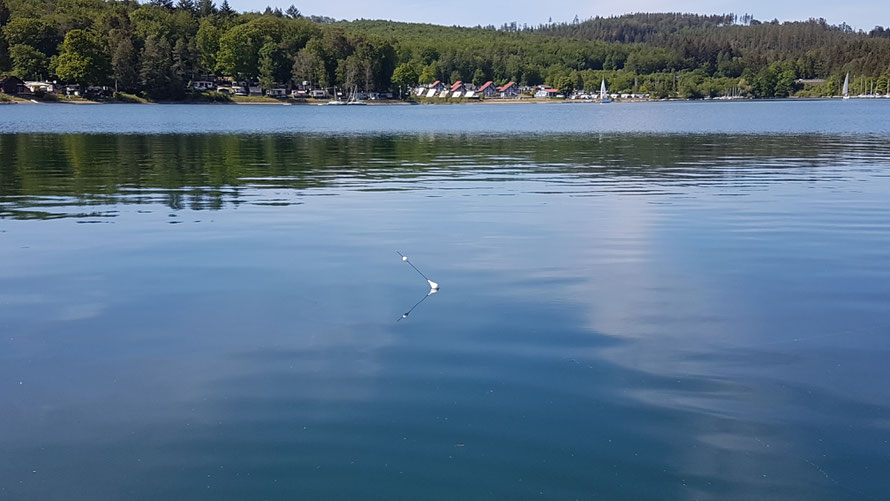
column 157, row 48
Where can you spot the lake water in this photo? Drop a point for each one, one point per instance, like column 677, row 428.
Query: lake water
column 638, row 301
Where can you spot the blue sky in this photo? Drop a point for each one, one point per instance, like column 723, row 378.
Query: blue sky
column 857, row 13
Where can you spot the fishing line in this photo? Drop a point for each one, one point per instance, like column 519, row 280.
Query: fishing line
column 433, row 285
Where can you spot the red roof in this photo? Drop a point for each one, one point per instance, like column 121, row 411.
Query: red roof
column 457, row 85
column 506, row 86
column 487, row 85
column 437, row 82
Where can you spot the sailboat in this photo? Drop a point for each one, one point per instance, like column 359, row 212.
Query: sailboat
column 604, row 98
column 336, row 101
column 846, row 91
column 353, row 100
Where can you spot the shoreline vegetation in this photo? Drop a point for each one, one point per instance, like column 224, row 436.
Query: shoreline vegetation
column 198, row 51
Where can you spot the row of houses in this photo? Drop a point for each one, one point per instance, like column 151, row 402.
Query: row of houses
column 303, row 90
column 467, row 90
column 511, row 89
column 15, row 86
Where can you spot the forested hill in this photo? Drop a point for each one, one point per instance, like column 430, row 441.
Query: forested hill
column 159, row 47
column 816, row 47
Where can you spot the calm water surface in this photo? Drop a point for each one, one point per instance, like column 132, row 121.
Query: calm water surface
column 641, row 308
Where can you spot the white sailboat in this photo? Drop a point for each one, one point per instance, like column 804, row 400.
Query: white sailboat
column 604, row 98
column 336, row 101
column 353, row 99
column 846, row 91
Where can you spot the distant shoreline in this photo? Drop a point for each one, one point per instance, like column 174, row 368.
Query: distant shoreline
column 434, row 103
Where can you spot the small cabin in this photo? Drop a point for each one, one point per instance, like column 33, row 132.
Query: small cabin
column 12, row 85
column 488, row 89
column 238, row 90
column 277, row 93
column 437, row 85
column 509, row 89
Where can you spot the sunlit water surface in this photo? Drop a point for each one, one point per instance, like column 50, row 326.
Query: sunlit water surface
column 624, row 313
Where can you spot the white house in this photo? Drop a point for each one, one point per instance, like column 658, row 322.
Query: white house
column 547, row 92
column 39, row 86
column 202, row 85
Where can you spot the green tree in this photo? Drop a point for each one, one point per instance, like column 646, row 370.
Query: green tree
column 405, row 76
column 272, row 65
column 225, row 10
column 764, row 83
column 479, row 77
column 239, row 47
column 37, row 33
column 429, row 74
column 689, row 86
column 206, row 8
column 187, row 5
column 82, row 59
column 28, row 62
column 785, row 82
column 183, row 61
column 123, row 65
column 350, row 72
column 155, row 73
column 207, row 43
column 308, row 67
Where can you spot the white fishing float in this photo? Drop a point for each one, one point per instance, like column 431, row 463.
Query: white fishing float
column 433, row 285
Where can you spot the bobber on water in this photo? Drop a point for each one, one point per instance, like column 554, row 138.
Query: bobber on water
column 433, row 285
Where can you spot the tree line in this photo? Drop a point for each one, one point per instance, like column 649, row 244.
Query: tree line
column 157, row 48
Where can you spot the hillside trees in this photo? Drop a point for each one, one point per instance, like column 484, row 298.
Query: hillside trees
column 160, row 46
